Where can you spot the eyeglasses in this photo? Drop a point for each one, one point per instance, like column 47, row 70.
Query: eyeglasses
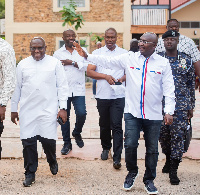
column 38, row 48
column 143, row 41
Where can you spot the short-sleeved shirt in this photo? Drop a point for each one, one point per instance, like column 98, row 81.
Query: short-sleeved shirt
column 185, row 45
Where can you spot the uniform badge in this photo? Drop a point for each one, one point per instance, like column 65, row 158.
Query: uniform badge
column 183, row 64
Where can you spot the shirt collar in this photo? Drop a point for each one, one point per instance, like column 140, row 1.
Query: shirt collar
column 107, row 50
column 154, row 55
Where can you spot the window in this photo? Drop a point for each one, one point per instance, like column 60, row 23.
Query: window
column 79, row 3
column 185, row 24
column 189, row 24
column 82, row 5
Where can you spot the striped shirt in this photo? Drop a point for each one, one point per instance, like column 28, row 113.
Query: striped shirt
column 147, row 80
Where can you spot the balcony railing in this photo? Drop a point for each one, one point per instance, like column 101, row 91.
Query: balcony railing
column 149, row 16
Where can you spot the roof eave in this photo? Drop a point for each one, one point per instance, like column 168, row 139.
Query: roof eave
column 182, row 6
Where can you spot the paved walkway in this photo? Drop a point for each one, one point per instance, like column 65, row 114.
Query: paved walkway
column 12, row 147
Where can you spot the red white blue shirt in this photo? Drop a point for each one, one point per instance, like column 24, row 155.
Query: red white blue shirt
column 147, row 80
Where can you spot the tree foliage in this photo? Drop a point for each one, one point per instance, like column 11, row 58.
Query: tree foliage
column 70, row 16
column 2, row 9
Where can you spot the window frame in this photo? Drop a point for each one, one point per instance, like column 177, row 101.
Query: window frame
column 79, row 9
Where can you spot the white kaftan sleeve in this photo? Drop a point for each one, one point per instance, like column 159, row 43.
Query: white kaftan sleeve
column 168, row 90
column 62, row 85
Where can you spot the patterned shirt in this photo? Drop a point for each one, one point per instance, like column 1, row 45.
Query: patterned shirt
column 184, row 80
column 185, row 45
column 7, row 71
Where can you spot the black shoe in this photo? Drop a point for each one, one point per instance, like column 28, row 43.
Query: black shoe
column 129, row 181
column 54, row 168
column 104, row 154
column 79, row 140
column 150, row 188
column 28, row 181
column 117, row 165
column 166, row 167
column 174, row 180
column 66, row 149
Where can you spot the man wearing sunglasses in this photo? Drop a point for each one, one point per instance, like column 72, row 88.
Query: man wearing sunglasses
column 41, row 87
column 148, row 78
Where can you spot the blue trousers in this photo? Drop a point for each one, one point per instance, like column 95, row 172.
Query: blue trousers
column 151, row 130
column 80, row 111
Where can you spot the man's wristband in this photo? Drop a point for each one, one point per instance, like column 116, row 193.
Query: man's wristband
column 63, row 109
column 2, row 105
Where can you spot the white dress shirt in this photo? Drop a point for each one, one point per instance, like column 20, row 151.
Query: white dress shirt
column 185, row 45
column 7, row 71
column 104, row 90
column 75, row 76
column 41, row 87
column 147, row 80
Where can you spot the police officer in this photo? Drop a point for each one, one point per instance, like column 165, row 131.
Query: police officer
column 172, row 136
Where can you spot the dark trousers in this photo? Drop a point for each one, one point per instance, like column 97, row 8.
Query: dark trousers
column 151, row 130
column 80, row 111
column 31, row 156
column 111, row 114
column 1, row 131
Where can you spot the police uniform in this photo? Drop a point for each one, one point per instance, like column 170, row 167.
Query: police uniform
column 172, row 136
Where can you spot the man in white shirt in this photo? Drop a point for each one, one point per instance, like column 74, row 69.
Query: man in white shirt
column 185, row 45
column 7, row 79
column 109, row 104
column 41, row 87
column 148, row 78
column 75, row 71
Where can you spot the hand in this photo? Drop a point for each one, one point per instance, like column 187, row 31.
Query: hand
column 62, row 114
column 66, row 62
column 2, row 113
column 168, row 119
column 110, row 79
column 14, row 116
column 80, row 51
column 190, row 114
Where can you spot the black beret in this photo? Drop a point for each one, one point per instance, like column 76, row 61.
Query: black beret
column 170, row 33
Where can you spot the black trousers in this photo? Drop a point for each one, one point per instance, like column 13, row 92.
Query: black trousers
column 111, row 114
column 31, row 156
column 1, row 131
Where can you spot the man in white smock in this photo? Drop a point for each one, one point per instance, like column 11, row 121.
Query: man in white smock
column 41, row 87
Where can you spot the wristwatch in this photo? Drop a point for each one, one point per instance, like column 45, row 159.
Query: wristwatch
column 170, row 113
column 73, row 63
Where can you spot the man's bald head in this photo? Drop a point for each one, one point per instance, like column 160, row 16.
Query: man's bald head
column 151, row 36
column 40, row 38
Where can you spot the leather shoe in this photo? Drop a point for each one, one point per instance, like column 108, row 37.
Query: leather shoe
column 28, row 181
column 66, row 149
column 54, row 168
column 104, row 154
column 79, row 140
column 117, row 165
